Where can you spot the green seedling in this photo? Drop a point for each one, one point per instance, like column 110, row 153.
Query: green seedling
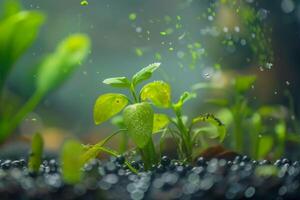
column 185, row 133
column 35, row 157
column 138, row 117
column 71, row 161
column 51, row 73
column 246, row 123
column 140, row 121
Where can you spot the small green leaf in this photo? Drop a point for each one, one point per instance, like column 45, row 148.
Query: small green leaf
column 35, row 158
column 138, row 119
column 108, row 105
column 160, row 121
column 117, row 82
column 243, row 83
column 265, row 145
column 70, row 159
column 183, row 98
column 158, row 92
column 209, row 118
column 59, row 65
column 145, row 73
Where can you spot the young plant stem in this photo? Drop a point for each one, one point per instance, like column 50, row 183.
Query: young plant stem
column 28, row 107
column 133, row 92
column 124, row 142
column 149, row 155
column 186, row 137
column 238, row 135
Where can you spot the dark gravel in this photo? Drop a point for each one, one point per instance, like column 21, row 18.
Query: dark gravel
column 240, row 178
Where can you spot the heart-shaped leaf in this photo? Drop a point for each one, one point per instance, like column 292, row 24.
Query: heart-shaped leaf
column 138, row 119
column 144, row 73
column 122, row 82
column 59, row 65
column 160, row 121
column 108, row 105
column 158, row 92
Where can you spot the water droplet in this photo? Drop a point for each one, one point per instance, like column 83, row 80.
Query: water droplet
column 269, row 65
column 138, row 29
column 237, row 29
column 293, row 117
column 210, row 18
column 275, row 92
column 243, row 42
column 287, row 6
column 262, row 14
column 259, row 136
column 287, row 83
column 225, row 29
column 261, row 69
column 207, row 75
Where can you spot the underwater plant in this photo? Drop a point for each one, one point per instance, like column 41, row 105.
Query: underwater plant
column 140, row 122
column 51, row 72
column 258, row 131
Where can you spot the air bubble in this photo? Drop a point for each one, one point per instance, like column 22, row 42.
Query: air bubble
column 287, row 6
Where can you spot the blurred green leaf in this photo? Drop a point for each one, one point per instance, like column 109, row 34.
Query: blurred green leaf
column 225, row 115
column 17, row 33
column 218, row 102
column 244, row 83
column 209, row 118
column 108, row 105
column 158, row 92
column 70, row 158
column 265, row 145
column 202, row 85
column 58, row 66
column 144, row 74
column 266, row 171
column 117, row 82
column 160, row 121
column 138, row 119
column 10, row 8
column 35, row 158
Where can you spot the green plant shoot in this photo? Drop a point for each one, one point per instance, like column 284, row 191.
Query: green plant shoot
column 71, row 161
column 35, row 157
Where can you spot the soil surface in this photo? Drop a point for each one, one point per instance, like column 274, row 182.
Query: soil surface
column 240, row 178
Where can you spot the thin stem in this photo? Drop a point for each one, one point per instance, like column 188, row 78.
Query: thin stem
column 149, row 155
column 113, row 153
column 132, row 90
column 28, row 107
column 186, row 139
